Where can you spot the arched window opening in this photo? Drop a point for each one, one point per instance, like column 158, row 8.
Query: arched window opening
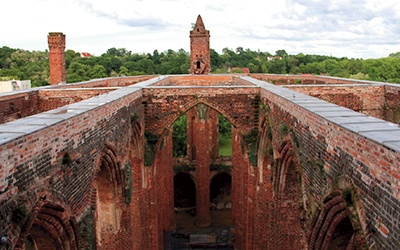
column 198, row 64
column 39, row 239
column 184, row 191
column 108, row 190
column 48, row 228
column 220, row 191
column 105, row 202
column 341, row 237
column 225, row 136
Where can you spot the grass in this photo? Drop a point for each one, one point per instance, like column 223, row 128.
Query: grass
column 225, row 146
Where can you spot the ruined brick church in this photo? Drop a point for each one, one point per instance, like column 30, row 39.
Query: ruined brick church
column 315, row 160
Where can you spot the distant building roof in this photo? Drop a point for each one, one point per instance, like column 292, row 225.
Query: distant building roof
column 85, row 54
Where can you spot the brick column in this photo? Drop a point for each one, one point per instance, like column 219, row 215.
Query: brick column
column 56, row 42
column 202, row 139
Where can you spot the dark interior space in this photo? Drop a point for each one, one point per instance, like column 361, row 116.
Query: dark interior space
column 342, row 235
column 220, row 189
column 184, row 190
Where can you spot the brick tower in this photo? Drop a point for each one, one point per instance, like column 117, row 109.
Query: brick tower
column 199, row 49
column 56, row 41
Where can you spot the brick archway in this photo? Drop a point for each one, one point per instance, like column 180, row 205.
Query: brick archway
column 108, row 188
column 286, row 189
column 49, row 226
column 184, row 187
column 239, row 106
column 335, row 226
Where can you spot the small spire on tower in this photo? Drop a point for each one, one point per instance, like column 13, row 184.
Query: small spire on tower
column 199, row 23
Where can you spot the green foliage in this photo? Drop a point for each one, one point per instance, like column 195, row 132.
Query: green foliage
column 251, row 141
column 285, row 129
column 179, row 137
column 221, row 168
column 184, row 168
column 150, row 147
column 135, row 117
column 225, row 146
column 347, row 196
column 128, row 182
column 34, row 65
column 225, row 136
column 86, row 230
column 224, row 127
column 19, row 215
column 66, row 160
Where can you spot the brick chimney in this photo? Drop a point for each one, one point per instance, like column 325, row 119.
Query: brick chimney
column 56, row 41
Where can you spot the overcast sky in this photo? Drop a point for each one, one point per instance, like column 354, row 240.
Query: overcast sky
column 355, row 29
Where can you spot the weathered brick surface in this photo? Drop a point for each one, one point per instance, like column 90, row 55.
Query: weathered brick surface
column 25, row 103
column 391, row 110
column 327, row 151
column 164, row 105
column 301, row 158
column 200, row 63
column 305, row 79
column 16, row 106
column 33, row 164
column 367, row 99
column 56, row 42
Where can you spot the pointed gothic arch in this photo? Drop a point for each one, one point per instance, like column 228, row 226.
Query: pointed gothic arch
column 335, row 226
column 108, row 192
column 49, row 226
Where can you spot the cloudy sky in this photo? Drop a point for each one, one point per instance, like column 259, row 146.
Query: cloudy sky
column 351, row 28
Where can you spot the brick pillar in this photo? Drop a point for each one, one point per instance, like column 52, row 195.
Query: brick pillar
column 202, row 138
column 56, row 41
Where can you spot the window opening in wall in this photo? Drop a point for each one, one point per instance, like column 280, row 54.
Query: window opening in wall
column 342, row 235
column 225, row 136
column 198, row 64
column 184, row 191
column 179, row 137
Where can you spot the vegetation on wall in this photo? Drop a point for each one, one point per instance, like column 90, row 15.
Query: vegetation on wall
column 184, row 168
column 86, row 230
column 150, row 147
column 225, row 136
column 21, row 64
column 128, row 182
column 251, row 141
column 19, row 215
column 221, row 168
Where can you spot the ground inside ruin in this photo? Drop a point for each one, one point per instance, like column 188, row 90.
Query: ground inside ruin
column 220, row 235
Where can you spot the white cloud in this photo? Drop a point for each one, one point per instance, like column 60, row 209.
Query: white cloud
column 359, row 28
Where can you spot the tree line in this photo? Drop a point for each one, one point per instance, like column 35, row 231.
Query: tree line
column 22, row 64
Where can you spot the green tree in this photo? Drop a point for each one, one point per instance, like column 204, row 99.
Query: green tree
column 179, row 137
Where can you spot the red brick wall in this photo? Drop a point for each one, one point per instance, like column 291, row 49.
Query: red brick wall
column 392, row 103
column 232, row 102
column 326, row 150
column 55, row 98
column 304, row 79
column 16, row 106
column 33, row 163
column 367, row 99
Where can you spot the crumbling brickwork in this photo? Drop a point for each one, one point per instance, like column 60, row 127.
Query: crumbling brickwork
column 280, row 188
